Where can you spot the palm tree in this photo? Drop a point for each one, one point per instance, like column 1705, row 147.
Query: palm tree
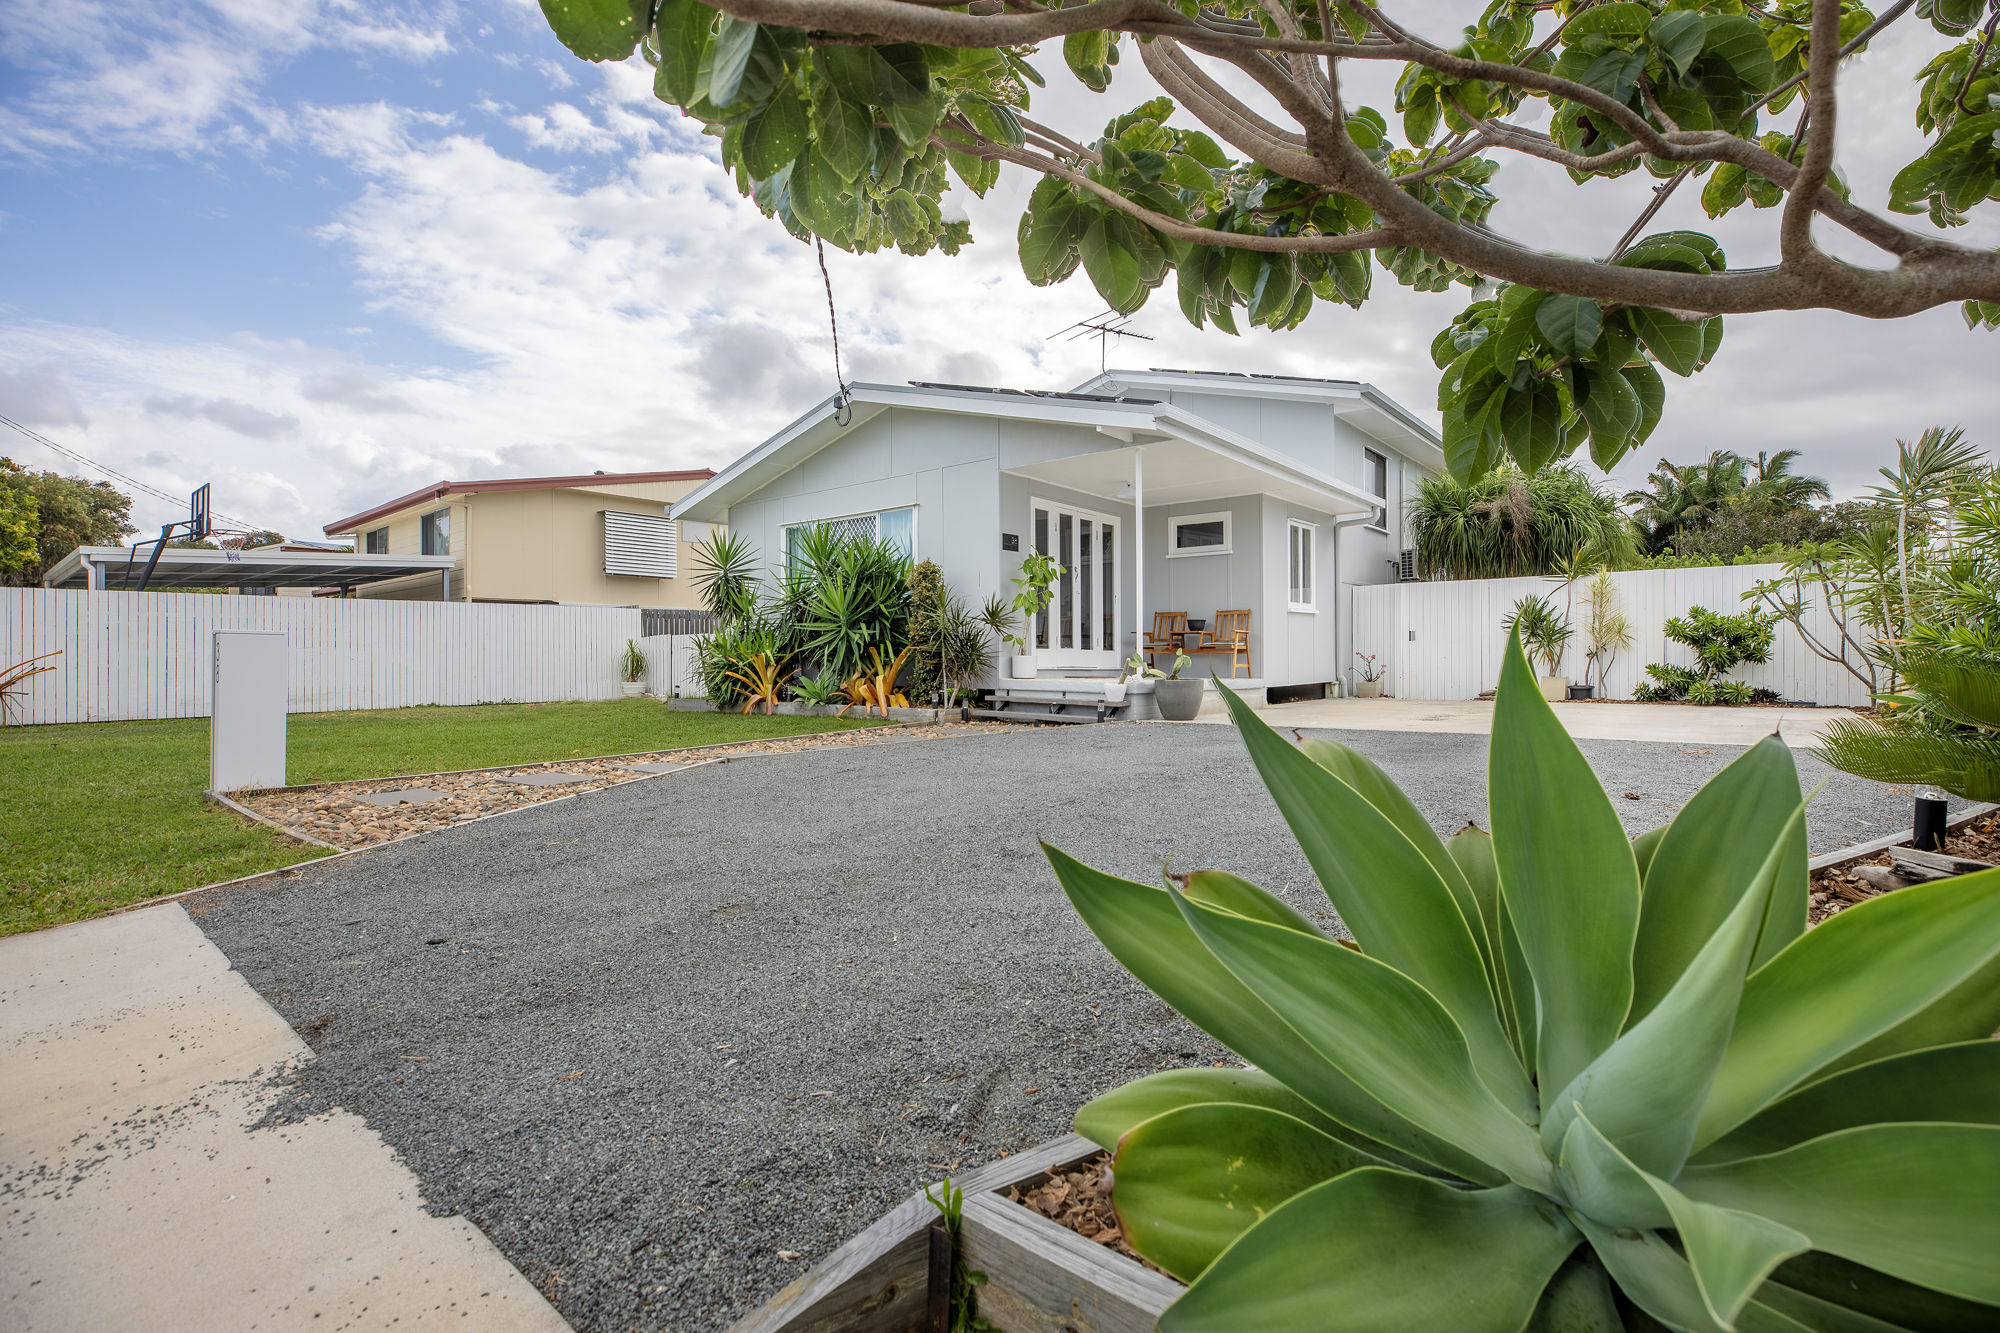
column 1685, row 497
column 1776, row 481
column 1928, row 477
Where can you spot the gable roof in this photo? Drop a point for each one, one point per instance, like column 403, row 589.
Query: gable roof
column 440, row 490
column 1120, row 416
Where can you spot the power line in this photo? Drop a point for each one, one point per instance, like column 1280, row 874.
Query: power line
column 131, row 481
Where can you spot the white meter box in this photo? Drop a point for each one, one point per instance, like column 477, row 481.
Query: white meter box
column 246, row 737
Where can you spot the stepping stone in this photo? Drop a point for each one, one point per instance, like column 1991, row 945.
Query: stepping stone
column 545, row 779
column 402, row 796
column 654, row 768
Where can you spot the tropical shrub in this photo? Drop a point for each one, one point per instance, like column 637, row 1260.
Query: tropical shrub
column 725, row 575
column 1721, row 644
column 844, row 597
column 631, row 663
column 1944, row 732
column 962, row 648
column 1562, row 1078
column 722, row 659
column 1507, row 523
column 1542, row 629
column 760, row 676
column 928, row 597
column 817, row 691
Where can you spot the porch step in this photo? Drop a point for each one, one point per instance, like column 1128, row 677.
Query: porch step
column 1032, row 715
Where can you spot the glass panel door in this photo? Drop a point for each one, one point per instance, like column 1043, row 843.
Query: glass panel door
column 1080, row 625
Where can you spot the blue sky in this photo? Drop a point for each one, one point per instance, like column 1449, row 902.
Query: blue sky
column 324, row 254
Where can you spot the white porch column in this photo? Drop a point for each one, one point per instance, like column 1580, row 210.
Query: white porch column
column 1138, row 550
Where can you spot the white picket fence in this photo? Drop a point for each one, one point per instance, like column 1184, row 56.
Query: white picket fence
column 1442, row 640
column 131, row 655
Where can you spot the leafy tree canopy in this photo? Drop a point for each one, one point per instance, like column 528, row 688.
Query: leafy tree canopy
column 68, row 512
column 849, row 119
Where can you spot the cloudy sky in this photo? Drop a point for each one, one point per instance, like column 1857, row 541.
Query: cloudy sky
column 325, row 253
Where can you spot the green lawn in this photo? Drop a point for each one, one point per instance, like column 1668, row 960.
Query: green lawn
column 104, row 814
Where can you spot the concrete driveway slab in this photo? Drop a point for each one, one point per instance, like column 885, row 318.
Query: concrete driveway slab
column 1691, row 724
column 137, row 1190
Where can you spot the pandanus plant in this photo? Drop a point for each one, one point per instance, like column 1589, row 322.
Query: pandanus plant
column 1567, row 1079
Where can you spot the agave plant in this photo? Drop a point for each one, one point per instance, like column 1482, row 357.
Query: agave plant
column 1567, row 1079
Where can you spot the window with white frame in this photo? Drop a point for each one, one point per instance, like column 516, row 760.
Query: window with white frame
column 897, row 527
column 377, row 541
column 1376, row 468
column 1198, row 534
column 1299, row 540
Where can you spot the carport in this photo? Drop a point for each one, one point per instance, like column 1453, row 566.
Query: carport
column 266, row 569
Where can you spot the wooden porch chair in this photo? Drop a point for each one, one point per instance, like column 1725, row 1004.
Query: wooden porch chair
column 1229, row 633
column 1168, row 627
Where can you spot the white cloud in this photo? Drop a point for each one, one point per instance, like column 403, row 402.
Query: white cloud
column 623, row 308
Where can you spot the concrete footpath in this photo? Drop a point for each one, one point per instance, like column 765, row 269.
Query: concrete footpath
column 135, row 1192
column 1607, row 721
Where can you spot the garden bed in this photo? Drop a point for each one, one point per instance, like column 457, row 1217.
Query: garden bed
column 1834, row 888
column 335, row 813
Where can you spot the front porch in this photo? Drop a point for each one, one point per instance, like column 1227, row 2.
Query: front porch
column 1233, row 542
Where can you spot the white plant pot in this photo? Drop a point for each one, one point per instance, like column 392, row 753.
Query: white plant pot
column 1020, row 666
column 632, row 689
column 1367, row 689
column 1114, row 691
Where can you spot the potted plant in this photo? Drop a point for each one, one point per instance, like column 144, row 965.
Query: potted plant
column 1607, row 632
column 1038, row 575
column 632, row 670
column 1370, row 684
column 1179, row 699
column 1545, row 634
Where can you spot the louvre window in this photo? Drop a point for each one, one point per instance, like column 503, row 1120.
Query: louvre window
column 645, row 546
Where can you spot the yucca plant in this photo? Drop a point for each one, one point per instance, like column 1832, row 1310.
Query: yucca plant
column 1567, row 1079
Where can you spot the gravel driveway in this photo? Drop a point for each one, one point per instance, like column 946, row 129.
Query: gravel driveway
column 671, row 1043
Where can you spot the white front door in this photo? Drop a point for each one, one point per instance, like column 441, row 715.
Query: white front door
column 1080, row 626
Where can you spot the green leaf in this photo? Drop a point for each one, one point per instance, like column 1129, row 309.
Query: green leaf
column 1567, row 875
column 1707, row 859
column 1113, row 269
column 1387, row 891
column 1679, row 35
column 914, row 120
column 1143, row 928
column 1192, row 1180
column 1914, row 1201
column 1958, row 1083
column 1739, row 43
column 1514, row 988
column 682, row 30
column 1615, row 73
column 1108, row 1118
column 1645, row 1092
column 1652, row 391
column 1730, row 1251
column 1570, row 323
column 1676, row 343
column 1230, row 893
column 1844, row 1297
column 1660, row 1282
column 750, row 62
column 593, row 29
column 1388, row 1251
column 1856, row 975
column 1377, row 1026
column 773, row 136
column 1622, row 19
column 1614, row 413
column 1531, row 422
column 1969, row 1011
column 844, row 133
column 1188, row 173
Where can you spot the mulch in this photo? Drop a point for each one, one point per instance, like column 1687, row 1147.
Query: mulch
column 1079, row 1197
column 331, row 813
column 1834, row 890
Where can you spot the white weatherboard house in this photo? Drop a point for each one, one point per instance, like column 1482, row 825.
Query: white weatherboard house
column 1263, row 492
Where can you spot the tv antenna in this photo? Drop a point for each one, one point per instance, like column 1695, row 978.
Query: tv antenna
column 1104, row 328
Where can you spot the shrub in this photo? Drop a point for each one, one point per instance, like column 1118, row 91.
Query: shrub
column 1721, row 644
column 928, row 596
column 1507, row 524
column 1544, row 632
column 1561, row 1079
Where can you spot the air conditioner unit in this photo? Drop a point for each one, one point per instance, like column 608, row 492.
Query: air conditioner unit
column 1406, row 567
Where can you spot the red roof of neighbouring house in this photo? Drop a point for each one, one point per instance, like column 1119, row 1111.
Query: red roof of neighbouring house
column 444, row 488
